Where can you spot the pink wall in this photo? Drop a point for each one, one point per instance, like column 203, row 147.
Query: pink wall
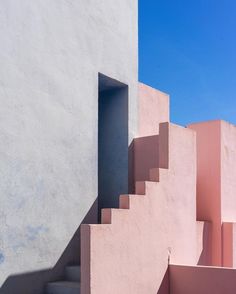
column 216, row 186
column 182, row 212
column 227, row 244
column 209, row 182
column 228, row 192
column 153, row 109
column 142, row 163
column 228, row 172
column 234, row 245
column 204, row 242
column 204, row 280
column 130, row 251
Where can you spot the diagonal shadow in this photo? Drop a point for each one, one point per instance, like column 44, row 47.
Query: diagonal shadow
column 206, row 253
column 34, row 282
column 165, row 284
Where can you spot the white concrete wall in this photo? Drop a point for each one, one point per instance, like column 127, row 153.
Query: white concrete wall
column 50, row 55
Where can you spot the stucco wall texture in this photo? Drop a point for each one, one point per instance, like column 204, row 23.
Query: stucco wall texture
column 155, row 226
column 176, row 215
column 151, row 229
column 51, row 53
column 216, row 161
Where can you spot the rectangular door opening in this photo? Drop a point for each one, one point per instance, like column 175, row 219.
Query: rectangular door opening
column 112, row 142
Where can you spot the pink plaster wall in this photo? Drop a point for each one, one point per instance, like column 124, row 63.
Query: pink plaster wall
column 201, row 280
column 234, row 245
column 204, row 230
column 153, row 109
column 209, row 182
column 228, row 172
column 227, row 244
column 182, row 212
column 216, row 186
column 228, row 193
column 130, row 251
column 142, row 163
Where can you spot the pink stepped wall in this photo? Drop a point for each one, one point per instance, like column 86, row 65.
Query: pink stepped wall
column 130, row 252
column 155, row 225
column 216, row 187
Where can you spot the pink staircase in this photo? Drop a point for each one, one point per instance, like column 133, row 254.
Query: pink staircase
column 130, row 251
column 178, row 218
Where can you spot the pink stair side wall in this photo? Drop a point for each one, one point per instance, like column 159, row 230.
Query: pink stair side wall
column 153, row 110
column 151, row 229
column 182, row 212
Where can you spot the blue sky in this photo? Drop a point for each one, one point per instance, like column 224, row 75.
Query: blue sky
column 187, row 48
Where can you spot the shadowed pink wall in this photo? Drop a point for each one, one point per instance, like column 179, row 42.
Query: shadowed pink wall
column 152, row 228
column 153, row 110
column 201, row 280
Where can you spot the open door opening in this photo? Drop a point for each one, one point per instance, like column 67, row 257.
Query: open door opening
column 112, row 142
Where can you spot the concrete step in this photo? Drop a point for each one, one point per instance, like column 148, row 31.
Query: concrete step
column 73, row 273
column 63, row 287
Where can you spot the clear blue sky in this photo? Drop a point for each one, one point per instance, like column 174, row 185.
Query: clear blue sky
column 187, row 48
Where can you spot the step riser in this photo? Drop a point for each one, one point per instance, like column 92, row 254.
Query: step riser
column 73, row 274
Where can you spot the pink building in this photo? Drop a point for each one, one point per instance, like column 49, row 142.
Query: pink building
column 176, row 233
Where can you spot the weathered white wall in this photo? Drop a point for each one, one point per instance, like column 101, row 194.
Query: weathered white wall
column 50, row 56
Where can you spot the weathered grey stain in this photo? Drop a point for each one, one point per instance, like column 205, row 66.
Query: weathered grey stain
column 33, row 232
column 2, row 258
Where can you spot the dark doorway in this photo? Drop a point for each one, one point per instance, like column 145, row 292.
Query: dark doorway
column 112, row 142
